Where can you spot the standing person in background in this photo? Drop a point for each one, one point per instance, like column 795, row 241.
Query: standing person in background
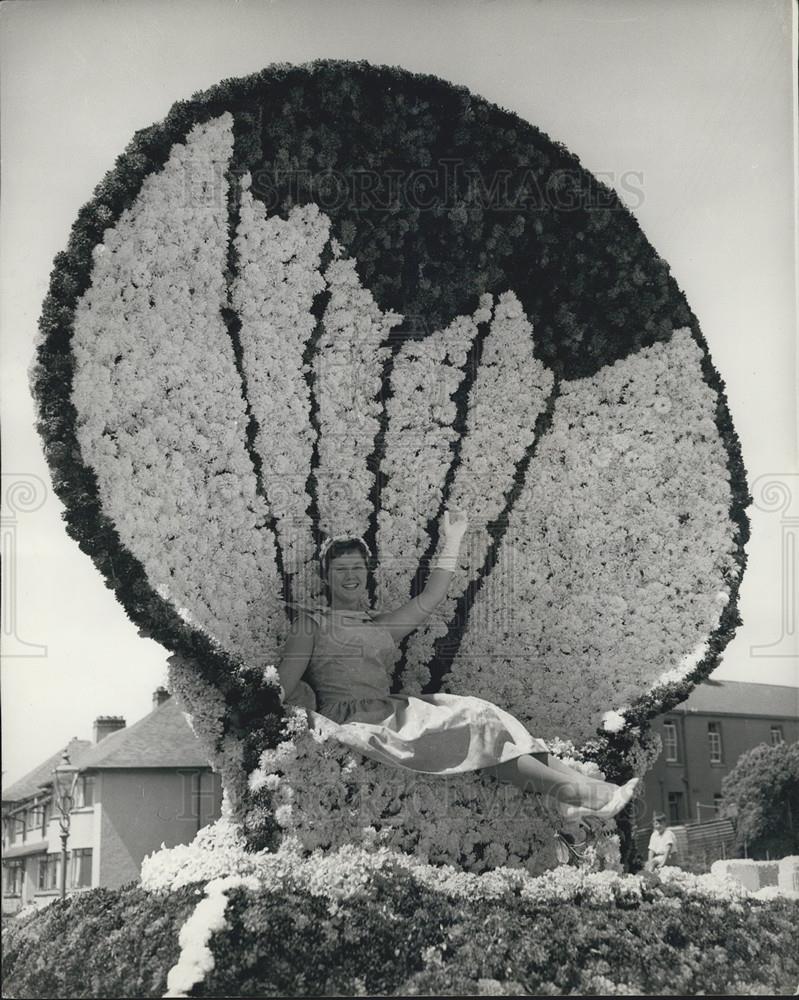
column 662, row 845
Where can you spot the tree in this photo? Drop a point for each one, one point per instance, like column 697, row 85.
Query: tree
column 761, row 794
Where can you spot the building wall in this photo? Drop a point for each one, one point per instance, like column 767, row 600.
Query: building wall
column 83, row 833
column 693, row 775
column 134, row 812
column 141, row 810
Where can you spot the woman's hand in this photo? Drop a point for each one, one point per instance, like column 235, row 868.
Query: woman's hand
column 453, row 529
column 455, row 524
column 417, row 611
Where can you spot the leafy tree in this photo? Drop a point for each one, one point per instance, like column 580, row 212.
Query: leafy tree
column 761, row 794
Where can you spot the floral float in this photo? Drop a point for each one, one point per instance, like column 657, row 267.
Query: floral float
column 340, row 298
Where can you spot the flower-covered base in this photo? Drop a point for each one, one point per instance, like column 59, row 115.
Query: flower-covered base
column 324, row 796
column 219, row 851
column 214, row 920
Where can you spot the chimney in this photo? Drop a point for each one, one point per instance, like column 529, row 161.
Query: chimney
column 104, row 725
column 160, row 695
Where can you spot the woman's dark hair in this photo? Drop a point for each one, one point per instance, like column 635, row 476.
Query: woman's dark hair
column 340, row 548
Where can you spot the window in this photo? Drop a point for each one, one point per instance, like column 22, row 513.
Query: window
column 714, row 740
column 49, row 867
column 47, row 813
column 776, row 736
column 35, row 819
column 11, row 829
column 670, row 741
column 84, row 791
column 675, row 807
column 80, row 867
column 13, row 872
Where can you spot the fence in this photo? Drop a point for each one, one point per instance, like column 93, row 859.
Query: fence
column 778, row 876
column 696, row 843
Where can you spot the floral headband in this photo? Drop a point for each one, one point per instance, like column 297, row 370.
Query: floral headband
column 341, row 538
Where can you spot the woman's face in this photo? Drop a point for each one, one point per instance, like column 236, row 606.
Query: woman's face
column 347, row 577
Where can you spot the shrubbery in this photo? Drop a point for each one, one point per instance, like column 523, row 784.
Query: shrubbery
column 761, row 793
column 402, row 937
column 101, row 943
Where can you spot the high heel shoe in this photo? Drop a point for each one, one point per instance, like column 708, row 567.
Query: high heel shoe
column 571, row 844
column 616, row 803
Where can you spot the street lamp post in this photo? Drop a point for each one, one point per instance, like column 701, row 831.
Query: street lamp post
column 65, row 776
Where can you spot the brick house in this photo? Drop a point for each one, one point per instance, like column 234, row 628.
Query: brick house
column 703, row 738
column 138, row 787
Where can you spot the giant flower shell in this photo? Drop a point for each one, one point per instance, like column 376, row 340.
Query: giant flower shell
column 234, row 362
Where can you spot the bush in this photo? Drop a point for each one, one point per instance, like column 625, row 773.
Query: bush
column 761, row 793
column 618, row 935
column 102, row 943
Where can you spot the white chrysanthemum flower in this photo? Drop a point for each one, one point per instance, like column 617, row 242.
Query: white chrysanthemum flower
column 613, row 722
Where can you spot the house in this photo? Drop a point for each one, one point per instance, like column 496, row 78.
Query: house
column 704, row 736
column 138, row 787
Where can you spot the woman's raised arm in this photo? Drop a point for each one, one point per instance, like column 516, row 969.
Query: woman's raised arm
column 415, row 612
column 296, row 653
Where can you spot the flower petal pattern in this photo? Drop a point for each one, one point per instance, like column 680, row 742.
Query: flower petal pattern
column 347, row 370
column 417, row 448
column 616, row 550
column 159, row 401
column 272, row 294
column 507, row 395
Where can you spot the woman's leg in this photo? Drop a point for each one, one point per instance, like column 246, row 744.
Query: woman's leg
column 562, row 783
column 559, row 765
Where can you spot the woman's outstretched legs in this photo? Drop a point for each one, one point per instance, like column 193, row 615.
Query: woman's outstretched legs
column 561, row 783
column 567, row 787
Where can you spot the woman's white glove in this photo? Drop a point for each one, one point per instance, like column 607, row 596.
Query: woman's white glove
column 454, row 528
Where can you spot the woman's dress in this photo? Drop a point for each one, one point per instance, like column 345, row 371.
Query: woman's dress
column 350, row 673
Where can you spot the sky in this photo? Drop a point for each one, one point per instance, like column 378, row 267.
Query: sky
column 686, row 108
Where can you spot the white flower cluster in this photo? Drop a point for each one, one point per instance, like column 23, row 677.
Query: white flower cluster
column 711, row 885
column 196, row 958
column 616, row 551
column 325, row 796
column 160, row 409
column 217, row 850
column 348, row 871
column 347, row 381
column 278, row 278
column 509, row 391
column 417, row 453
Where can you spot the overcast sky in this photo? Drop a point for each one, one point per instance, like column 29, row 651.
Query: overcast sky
column 693, row 97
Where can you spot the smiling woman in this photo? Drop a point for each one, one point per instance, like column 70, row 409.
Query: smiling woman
column 346, row 652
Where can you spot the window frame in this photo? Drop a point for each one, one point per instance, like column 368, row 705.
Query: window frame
column 16, row 865
column 715, row 743
column 670, row 725
column 84, row 789
column 675, row 804
column 78, row 867
column 49, row 870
